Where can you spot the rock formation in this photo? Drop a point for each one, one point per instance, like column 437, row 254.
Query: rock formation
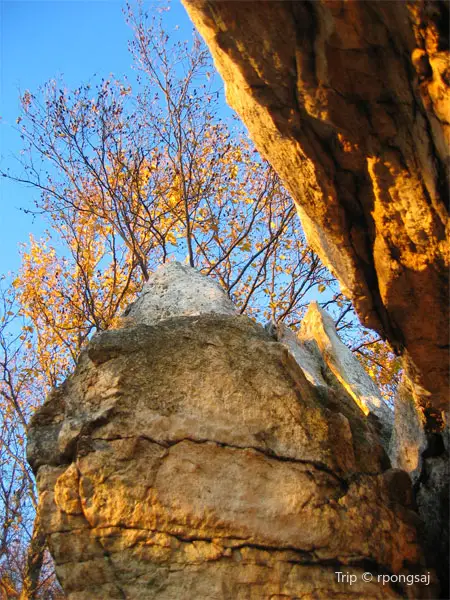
column 421, row 451
column 350, row 103
column 178, row 291
column 409, row 441
column 320, row 353
column 189, row 456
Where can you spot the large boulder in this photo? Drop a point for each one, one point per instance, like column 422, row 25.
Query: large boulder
column 350, row 103
column 192, row 458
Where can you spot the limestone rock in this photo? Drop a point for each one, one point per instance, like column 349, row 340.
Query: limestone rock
column 423, row 454
column 192, row 458
column 306, row 355
column 408, row 438
column 176, row 290
column 349, row 101
column 327, row 363
column 432, row 497
column 318, row 326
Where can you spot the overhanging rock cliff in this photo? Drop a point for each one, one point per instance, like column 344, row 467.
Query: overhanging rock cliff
column 350, row 103
column 189, row 456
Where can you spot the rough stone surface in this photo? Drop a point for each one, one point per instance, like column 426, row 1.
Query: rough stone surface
column 409, row 440
column 306, row 355
column 192, row 458
column 423, row 454
column 349, row 101
column 176, row 290
column 327, row 362
column 318, row 327
column 432, row 497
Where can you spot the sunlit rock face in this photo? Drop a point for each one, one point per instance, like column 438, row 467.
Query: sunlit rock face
column 323, row 356
column 350, row 103
column 194, row 458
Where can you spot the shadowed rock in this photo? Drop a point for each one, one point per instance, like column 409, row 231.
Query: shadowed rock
column 423, row 454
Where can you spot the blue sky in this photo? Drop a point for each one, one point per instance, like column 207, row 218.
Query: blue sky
column 40, row 40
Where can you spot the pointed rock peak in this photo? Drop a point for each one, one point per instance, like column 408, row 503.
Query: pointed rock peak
column 318, row 325
column 309, row 361
column 177, row 290
column 317, row 317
